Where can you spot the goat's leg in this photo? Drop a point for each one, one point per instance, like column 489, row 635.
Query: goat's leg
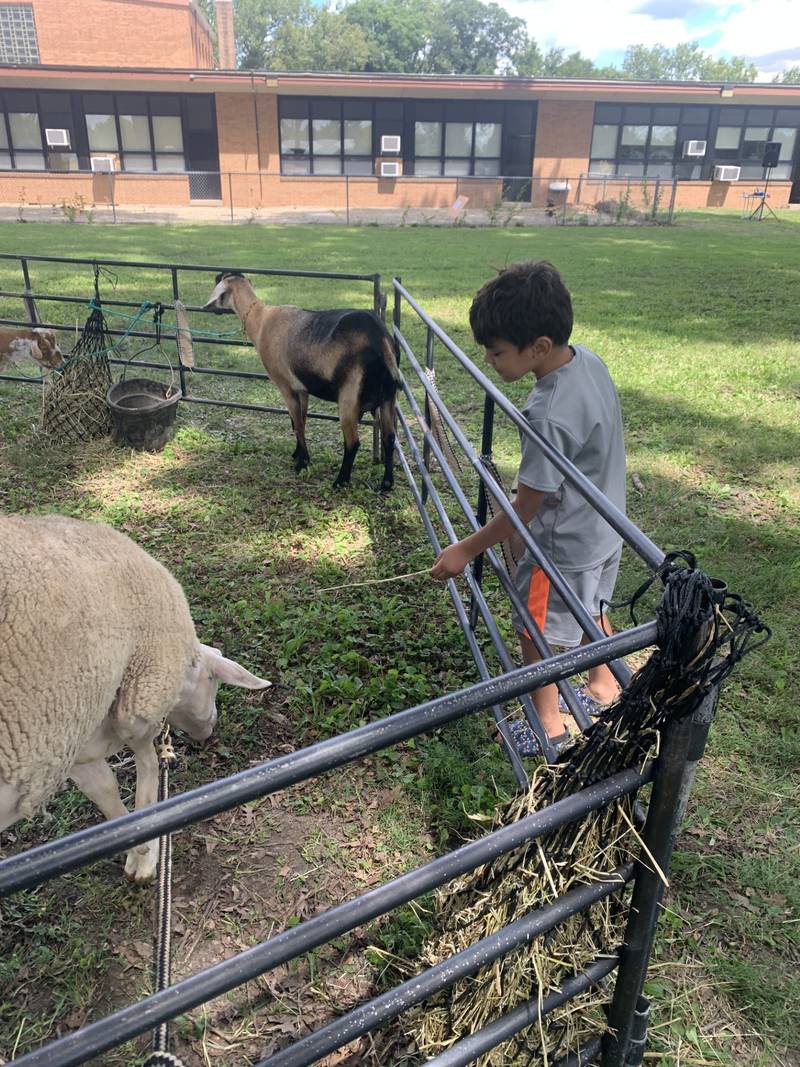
column 297, row 403
column 349, row 412
column 388, row 431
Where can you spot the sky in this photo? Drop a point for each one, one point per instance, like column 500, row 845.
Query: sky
column 766, row 32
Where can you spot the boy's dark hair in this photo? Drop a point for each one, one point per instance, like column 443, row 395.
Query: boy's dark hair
column 524, row 301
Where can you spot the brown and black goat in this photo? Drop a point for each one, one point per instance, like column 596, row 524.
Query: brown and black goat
column 344, row 356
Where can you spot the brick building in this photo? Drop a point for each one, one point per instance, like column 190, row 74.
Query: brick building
column 125, row 99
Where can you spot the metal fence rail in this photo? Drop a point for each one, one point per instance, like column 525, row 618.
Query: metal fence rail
column 31, row 300
column 671, row 776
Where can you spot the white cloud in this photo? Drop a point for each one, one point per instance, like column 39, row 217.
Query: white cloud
column 766, row 28
column 759, row 29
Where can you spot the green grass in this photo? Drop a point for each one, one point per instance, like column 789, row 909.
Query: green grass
column 698, row 324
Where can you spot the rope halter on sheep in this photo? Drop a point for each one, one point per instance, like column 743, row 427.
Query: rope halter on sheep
column 702, row 634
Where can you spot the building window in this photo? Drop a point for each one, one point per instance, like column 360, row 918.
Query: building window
column 18, row 42
column 742, row 133
column 26, row 140
column 323, row 136
column 145, row 133
column 646, row 141
column 320, row 135
column 451, row 140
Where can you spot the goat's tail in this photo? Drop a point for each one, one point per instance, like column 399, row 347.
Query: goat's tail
column 390, row 358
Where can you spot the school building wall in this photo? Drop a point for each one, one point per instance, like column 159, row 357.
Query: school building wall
column 125, row 33
column 249, row 160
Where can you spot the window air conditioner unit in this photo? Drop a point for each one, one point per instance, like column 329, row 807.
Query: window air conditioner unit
column 57, row 138
column 102, row 164
column 726, row 174
column 389, row 170
column 390, row 144
column 694, row 148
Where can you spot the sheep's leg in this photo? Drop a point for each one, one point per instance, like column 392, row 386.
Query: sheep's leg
column 98, row 782
column 142, row 860
column 388, row 424
column 348, row 417
column 9, row 804
column 297, row 403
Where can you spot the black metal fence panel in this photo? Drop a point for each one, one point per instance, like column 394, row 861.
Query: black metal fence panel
column 673, row 772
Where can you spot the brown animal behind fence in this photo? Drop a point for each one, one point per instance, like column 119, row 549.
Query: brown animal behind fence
column 344, row 356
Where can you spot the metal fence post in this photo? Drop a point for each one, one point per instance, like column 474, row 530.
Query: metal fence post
column 683, row 743
column 379, row 307
column 230, row 193
column 30, row 302
column 671, row 211
column 176, row 296
column 656, row 195
column 113, row 182
column 347, row 199
column 426, row 448
column 481, row 510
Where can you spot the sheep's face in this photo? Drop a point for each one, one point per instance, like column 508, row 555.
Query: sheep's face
column 195, row 711
column 222, row 297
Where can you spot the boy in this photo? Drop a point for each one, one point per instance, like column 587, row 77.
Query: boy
column 523, row 318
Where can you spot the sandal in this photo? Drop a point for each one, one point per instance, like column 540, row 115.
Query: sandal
column 592, row 707
column 526, row 743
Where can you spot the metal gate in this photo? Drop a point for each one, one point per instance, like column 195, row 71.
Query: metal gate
column 671, row 774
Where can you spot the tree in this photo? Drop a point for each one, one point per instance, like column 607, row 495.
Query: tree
column 686, row 62
column 326, row 42
column 555, row 63
column 296, row 35
column 471, row 37
column 788, row 76
column 398, row 31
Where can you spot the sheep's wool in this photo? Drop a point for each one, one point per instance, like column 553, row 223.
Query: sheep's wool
column 91, row 627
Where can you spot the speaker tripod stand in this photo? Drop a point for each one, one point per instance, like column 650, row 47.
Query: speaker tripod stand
column 760, row 208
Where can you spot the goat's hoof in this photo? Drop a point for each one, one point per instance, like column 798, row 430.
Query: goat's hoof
column 301, row 465
column 141, row 866
column 386, row 487
column 341, row 483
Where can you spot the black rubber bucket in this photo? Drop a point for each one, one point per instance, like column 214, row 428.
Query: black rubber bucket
column 143, row 412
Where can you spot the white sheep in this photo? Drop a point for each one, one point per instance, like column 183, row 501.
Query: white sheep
column 97, row 648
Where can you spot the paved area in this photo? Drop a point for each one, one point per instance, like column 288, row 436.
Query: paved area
column 509, row 215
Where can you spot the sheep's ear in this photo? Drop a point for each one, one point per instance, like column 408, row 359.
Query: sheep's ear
column 230, row 672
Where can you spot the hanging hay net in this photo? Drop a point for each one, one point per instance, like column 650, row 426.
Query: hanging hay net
column 702, row 633
column 74, row 406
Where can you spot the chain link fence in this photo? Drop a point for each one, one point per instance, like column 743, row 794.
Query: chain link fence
column 262, row 196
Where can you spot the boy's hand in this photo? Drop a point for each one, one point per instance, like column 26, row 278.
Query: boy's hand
column 450, row 562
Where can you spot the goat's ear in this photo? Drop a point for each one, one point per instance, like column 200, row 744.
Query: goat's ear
column 219, row 291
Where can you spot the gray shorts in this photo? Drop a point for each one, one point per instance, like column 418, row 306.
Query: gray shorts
column 549, row 611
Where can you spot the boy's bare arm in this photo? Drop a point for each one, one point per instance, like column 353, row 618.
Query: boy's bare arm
column 453, row 559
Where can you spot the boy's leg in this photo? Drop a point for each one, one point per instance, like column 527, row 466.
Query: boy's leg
column 602, row 684
column 545, row 699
